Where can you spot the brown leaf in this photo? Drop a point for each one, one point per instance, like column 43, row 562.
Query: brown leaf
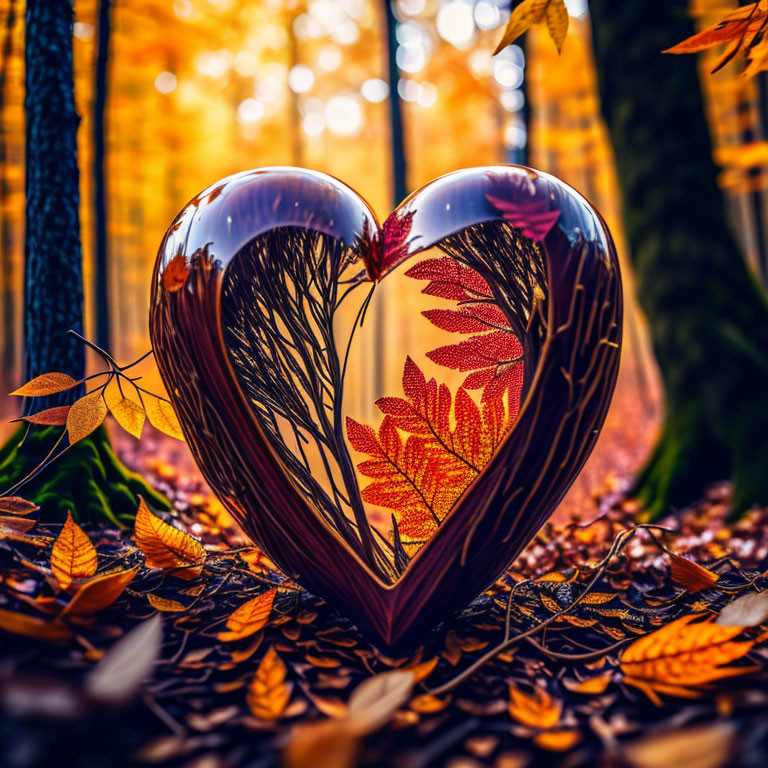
column 73, row 555
column 702, row 746
column 682, row 656
column 376, row 699
column 165, row 546
column 249, row 618
column 746, row 611
column 162, row 416
column 99, row 592
column 325, row 744
column 536, row 710
column 15, row 505
column 690, row 575
column 128, row 414
column 14, row 526
column 85, row 415
column 47, row 384
column 269, row 694
column 50, row 417
column 175, row 273
column 165, row 605
column 31, row 626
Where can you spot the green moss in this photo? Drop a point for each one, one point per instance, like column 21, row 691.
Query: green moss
column 88, row 479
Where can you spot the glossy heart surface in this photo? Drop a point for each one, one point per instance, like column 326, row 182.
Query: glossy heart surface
column 390, row 412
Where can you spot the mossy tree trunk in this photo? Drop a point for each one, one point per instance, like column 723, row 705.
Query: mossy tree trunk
column 708, row 316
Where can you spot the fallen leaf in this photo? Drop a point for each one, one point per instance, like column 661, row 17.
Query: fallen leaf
column 73, row 555
column 559, row 740
column 591, row 685
column 249, row 618
column 162, row 416
column 15, row 505
column 427, row 704
column 14, row 526
column 85, row 415
column 165, row 605
column 325, row 744
column 120, row 673
column 269, row 694
column 165, row 546
column 128, row 414
column 31, row 626
column 701, row 746
column 536, row 710
column 375, row 700
column 46, row 384
column 690, row 575
column 99, row 592
column 682, row 656
column 745, row 611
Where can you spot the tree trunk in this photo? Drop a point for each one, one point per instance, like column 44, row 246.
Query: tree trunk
column 101, row 251
column 708, row 317
column 53, row 279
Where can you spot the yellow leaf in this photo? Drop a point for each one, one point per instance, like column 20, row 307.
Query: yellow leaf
column 99, row 592
column 249, row 618
column 556, row 16
column 162, row 416
column 85, row 415
column 683, row 656
column 15, row 505
column 163, row 604
column 268, row 693
column 47, row 384
column 690, row 575
column 165, row 546
column 530, row 12
column 537, row 710
column 128, row 414
column 73, row 555
column 31, row 626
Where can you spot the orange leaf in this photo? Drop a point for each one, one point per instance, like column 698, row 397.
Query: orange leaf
column 73, row 555
column 15, row 505
column 162, row 416
column 47, row 384
column 733, row 26
column 128, row 414
column 14, row 526
column 175, row 273
column 559, row 740
column 99, row 592
column 50, row 417
column 591, row 685
column 85, row 415
column 249, row 618
column 690, row 575
column 31, row 626
column 165, row 546
column 682, row 656
column 268, row 693
column 537, row 710
column 163, row 604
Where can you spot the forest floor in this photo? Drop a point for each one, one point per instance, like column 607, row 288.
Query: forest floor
column 567, row 695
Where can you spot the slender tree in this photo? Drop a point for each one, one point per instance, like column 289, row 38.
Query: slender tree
column 708, row 316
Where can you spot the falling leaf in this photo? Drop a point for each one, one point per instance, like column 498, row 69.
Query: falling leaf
column 50, row 417
column 745, row 611
column 15, row 505
column 249, row 618
column 47, row 384
column 14, row 526
column 31, row 626
column 683, row 656
column 162, row 416
column 268, row 693
column 85, row 415
column 120, row 673
column 165, row 546
column 165, row 605
column 551, row 12
column 175, row 273
column 690, row 575
column 128, row 414
column 536, row 710
column 375, row 700
column 73, row 555
column 99, row 592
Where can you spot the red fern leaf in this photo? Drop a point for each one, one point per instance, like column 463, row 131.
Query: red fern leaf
column 473, row 318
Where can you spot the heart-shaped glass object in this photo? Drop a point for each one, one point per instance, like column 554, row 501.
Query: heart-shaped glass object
column 390, row 412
